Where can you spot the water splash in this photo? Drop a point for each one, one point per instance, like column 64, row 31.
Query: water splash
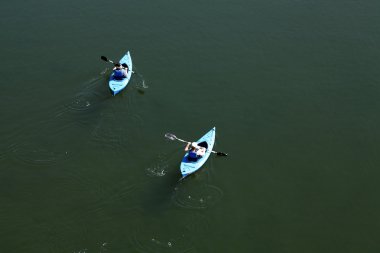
column 156, row 172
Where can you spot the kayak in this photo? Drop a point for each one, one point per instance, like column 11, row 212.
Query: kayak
column 118, row 85
column 188, row 167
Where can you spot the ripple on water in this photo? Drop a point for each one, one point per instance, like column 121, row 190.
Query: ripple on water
column 101, row 247
column 31, row 154
column 80, row 103
column 107, row 137
column 164, row 235
column 160, row 168
column 140, row 83
column 89, row 97
column 116, row 197
column 111, row 133
column 2, row 156
column 103, row 189
column 196, row 196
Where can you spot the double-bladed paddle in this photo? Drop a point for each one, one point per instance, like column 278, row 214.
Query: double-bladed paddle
column 173, row 137
column 108, row 60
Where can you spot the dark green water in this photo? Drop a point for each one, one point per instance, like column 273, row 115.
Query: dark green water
column 291, row 86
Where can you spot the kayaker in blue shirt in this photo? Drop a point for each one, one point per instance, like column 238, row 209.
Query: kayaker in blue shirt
column 195, row 151
column 120, row 71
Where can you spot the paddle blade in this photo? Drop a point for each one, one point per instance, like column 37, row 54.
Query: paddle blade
column 103, row 58
column 221, row 154
column 170, row 136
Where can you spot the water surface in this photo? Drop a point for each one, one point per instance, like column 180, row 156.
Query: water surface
column 292, row 88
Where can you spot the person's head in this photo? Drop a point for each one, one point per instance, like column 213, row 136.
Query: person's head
column 117, row 65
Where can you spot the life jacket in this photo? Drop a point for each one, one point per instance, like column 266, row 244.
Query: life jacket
column 192, row 156
column 119, row 74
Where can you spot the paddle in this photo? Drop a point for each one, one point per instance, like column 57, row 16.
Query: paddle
column 105, row 59
column 108, row 60
column 173, row 137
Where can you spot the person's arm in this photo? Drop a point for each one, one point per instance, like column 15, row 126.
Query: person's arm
column 187, row 146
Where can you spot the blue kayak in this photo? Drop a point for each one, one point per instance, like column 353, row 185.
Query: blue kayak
column 118, row 85
column 188, row 167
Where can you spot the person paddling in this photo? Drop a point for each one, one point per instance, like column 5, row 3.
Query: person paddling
column 120, row 71
column 195, row 151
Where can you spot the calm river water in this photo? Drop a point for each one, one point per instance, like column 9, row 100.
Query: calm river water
column 291, row 86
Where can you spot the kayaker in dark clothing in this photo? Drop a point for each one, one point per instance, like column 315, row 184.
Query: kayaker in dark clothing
column 195, row 151
column 120, row 71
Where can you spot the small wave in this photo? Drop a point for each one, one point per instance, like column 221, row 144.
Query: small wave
column 140, row 83
column 152, row 240
column 111, row 133
column 111, row 198
column 179, row 234
column 34, row 155
column 104, row 72
column 143, row 84
column 106, row 138
column 79, row 103
column 160, row 168
column 101, row 247
column 3, row 155
column 90, row 95
column 198, row 197
column 156, row 171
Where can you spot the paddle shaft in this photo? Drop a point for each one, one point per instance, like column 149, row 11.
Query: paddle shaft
column 108, row 60
column 212, row 151
column 182, row 140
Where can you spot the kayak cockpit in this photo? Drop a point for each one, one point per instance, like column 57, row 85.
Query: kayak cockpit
column 207, row 141
column 190, row 159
